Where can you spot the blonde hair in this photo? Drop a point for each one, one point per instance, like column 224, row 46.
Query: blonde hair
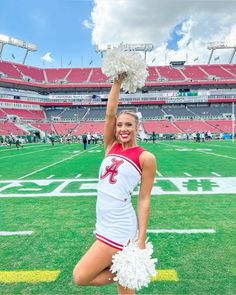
column 131, row 113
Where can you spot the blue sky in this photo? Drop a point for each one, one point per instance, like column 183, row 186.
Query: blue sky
column 55, row 26
column 67, row 30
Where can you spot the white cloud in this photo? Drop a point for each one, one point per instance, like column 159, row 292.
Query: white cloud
column 152, row 21
column 47, row 57
column 87, row 24
column 186, row 33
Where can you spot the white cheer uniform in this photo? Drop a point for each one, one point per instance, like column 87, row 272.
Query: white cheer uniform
column 119, row 174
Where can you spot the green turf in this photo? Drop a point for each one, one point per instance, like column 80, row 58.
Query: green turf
column 63, row 226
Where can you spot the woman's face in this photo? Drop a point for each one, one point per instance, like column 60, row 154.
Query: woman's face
column 126, row 128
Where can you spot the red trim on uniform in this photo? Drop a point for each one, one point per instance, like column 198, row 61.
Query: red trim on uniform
column 100, row 236
column 132, row 153
column 109, row 242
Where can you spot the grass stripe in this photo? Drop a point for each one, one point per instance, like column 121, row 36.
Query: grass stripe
column 30, row 276
column 53, row 164
column 165, row 275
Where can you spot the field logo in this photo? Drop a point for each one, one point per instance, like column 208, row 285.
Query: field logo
column 112, row 170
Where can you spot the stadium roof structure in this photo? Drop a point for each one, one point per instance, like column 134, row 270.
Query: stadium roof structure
column 221, row 45
column 4, row 39
column 145, row 47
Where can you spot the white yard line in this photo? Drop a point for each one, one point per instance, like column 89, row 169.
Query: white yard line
column 23, row 154
column 187, row 174
column 214, row 173
column 223, row 144
column 218, row 155
column 78, row 176
column 15, row 233
column 25, row 147
column 218, row 185
column 50, row 176
column 158, row 173
column 61, row 187
column 200, row 151
column 47, row 148
column 53, row 164
column 49, row 195
column 30, row 189
column 182, row 231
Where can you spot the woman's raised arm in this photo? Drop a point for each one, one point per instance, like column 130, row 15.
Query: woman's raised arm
column 110, row 119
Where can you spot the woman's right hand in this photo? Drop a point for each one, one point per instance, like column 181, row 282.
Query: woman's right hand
column 120, row 78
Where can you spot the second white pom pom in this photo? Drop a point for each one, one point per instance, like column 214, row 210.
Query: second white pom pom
column 134, row 266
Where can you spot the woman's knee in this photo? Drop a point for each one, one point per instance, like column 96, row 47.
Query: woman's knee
column 79, row 277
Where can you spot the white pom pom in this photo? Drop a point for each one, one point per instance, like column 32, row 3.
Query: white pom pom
column 134, row 266
column 118, row 61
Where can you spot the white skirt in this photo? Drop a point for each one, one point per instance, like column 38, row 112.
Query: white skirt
column 116, row 223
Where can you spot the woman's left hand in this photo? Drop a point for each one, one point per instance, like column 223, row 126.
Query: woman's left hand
column 141, row 244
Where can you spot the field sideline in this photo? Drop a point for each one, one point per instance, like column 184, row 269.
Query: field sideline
column 47, row 217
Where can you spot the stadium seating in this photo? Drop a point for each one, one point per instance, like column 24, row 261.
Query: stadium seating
column 74, row 114
column 151, row 113
column 56, row 75
column 30, row 72
column 44, row 127
column 170, row 73
column 177, row 111
column 95, row 114
column 2, row 114
column 152, row 74
column 222, row 125
column 9, row 69
column 25, row 114
column 211, row 111
column 194, row 126
column 79, row 75
column 194, row 73
column 230, row 68
column 163, row 126
column 38, row 115
column 64, row 128
column 8, row 128
column 89, row 127
column 97, row 76
column 53, row 113
column 217, row 71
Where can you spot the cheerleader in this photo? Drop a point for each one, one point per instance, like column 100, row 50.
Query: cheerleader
column 124, row 165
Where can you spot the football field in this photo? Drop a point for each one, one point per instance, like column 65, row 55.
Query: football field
column 47, row 217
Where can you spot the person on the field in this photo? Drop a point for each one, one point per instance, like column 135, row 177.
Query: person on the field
column 85, row 141
column 18, row 143
column 154, row 137
column 198, row 136
column 124, row 165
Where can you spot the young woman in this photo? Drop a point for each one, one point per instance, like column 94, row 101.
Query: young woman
column 124, row 165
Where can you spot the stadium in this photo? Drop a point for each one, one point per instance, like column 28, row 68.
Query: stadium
column 48, row 182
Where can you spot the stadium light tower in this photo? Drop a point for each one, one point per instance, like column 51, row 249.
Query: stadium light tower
column 221, row 45
column 18, row 43
column 145, row 47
